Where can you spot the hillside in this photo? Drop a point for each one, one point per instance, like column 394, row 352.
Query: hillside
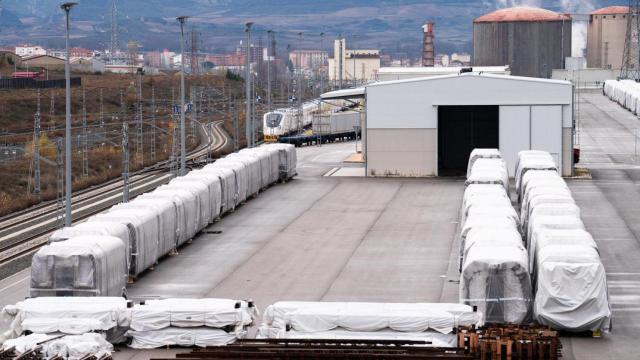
column 393, row 25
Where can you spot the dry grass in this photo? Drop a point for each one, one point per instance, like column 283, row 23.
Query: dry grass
column 105, row 161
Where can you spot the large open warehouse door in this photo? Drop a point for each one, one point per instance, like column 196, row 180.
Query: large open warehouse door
column 462, row 129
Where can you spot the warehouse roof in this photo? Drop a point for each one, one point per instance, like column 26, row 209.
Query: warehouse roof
column 521, row 13
column 492, row 76
column 353, row 93
column 611, row 10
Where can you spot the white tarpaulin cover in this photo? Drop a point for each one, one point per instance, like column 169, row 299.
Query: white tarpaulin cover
column 200, row 191
column 624, row 92
column 201, row 337
column 69, row 315
column 483, row 201
column 571, row 289
column 72, row 347
column 532, row 160
column 242, row 176
column 215, row 313
column 547, row 237
column 491, row 237
column 537, row 178
column 541, row 200
column 95, row 227
column 215, row 190
column 253, row 170
column 488, row 176
column 432, row 338
column 568, row 222
column 492, row 210
column 81, row 266
column 497, row 281
column 288, row 159
column 483, row 190
column 356, row 316
column 188, row 209
column 482, row 154
column 484, row 221
column 145, row 229
column 265, row 164
column 167, row 214
column 228, row 188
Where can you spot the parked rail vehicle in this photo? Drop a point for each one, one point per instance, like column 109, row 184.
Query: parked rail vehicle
column 101, row 255
column 337, row 126
column 288, row 121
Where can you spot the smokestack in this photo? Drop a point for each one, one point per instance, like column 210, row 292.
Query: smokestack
column 427, row 45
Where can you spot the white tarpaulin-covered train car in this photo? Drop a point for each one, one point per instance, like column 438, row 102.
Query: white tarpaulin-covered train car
column 81, row 266
column 389, row 321
column 570, row 281
column 67, row 315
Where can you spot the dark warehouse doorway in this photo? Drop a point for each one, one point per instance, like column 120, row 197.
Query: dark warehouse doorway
column 462, row 129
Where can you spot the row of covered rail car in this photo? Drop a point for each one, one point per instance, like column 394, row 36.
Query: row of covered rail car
column 99, row 256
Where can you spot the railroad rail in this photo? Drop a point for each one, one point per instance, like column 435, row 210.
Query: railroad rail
column 24, row 232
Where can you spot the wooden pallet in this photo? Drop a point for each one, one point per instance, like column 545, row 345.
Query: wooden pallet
column 510, row 342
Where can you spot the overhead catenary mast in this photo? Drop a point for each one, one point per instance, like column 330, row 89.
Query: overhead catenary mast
column 631, row 55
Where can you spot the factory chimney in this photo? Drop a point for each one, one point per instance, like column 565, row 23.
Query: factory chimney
column 427, row 45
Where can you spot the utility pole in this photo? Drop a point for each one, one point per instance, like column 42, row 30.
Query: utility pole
column 139, row 129
column 183, row 161
column 52, row 112
column 153, row 123
column 299, row 77
column 36, row 148
column 67, row 74
column 60, row 183
column 321, row 72
column 248, row 119
column 125, row 162
column 85, row 146
column 269, row 35
column 101, row 110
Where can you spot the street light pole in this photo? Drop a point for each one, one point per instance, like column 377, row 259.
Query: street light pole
column 247, row 81
column 67, row 147
column 270, row 33
column 183, row 165
column 321, row 72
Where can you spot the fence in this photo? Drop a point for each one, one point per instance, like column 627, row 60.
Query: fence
column 24, row 83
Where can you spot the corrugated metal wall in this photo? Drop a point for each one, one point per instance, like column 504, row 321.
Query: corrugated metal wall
column 529, row 48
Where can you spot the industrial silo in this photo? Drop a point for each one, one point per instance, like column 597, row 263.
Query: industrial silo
column 605, row 37
column 532, row 41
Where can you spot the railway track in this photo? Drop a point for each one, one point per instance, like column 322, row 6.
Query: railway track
column 23, row 233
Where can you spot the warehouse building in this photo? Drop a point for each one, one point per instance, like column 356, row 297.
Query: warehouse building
column 428, row 126
column 532, row 41
column 605, row 37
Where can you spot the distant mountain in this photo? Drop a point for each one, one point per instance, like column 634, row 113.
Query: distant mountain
column 392, row 25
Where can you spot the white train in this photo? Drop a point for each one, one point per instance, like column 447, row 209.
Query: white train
column 283, row 122
column 99, row 256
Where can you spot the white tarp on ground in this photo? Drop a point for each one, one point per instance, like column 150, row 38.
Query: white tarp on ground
column 432, row 338
column 228, row 189
column 496, row 280
column 84, row 265
column 69, row 315
column 242, row 176
column 214, row 313
column 72, row 347
column 201, row 337
column 145, row 227
column 482, row 154
column 358, row 316
column 571, row 289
